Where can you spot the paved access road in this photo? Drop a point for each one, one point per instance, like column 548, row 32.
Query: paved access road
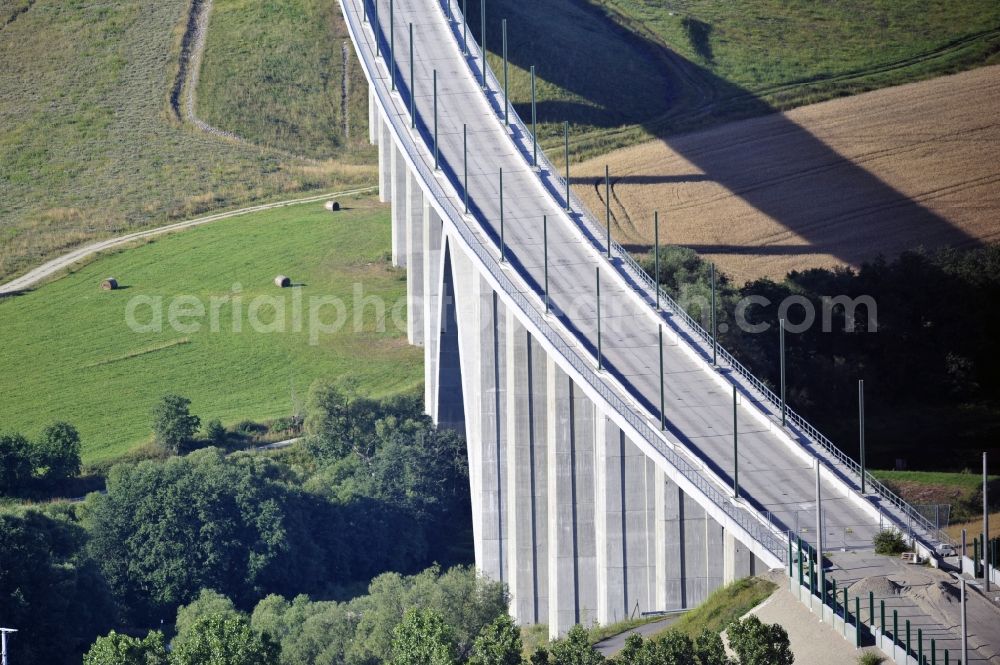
column 53, row 267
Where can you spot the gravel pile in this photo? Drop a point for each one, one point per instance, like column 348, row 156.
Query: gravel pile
column 880, row 585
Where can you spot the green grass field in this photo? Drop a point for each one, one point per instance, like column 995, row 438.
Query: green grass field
column 273, row 73
column 657, row 68
column 966, row 481
column 69, row 354
column 961, row 491
column 89, row 146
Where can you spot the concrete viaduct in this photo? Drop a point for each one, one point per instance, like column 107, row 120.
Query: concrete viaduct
column 602, row 485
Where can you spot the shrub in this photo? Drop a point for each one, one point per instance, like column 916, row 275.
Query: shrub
column 15, row 463
column 56, row 455
column 870, row 658
column 574, row 649
column 249, row 427
column 758, row 643
column 889, row 542
column 284, row 425
column 215, row 432
column 498, row 644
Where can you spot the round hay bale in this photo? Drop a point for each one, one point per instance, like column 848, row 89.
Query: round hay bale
column 333, row 206
column 282, row 282
column 110, row 284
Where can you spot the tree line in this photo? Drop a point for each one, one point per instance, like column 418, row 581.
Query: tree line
column 375, row 488
column 452, row 618
column 35, row 465
column 931, row 374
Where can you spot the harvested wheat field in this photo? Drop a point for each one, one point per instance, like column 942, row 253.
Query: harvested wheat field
column 829, row 184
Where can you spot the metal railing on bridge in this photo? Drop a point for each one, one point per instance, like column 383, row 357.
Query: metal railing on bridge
column 748, row 518
column 760, row 529
column 634, row 271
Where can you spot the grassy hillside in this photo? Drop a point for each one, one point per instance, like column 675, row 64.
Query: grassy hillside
column 69, row 354
column 724, row 606
column 656, row 68
column 962, row 491
column 89, row 147
column 275, row 73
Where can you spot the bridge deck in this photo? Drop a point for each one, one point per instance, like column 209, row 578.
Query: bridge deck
column 776, row 472
column 699, row 410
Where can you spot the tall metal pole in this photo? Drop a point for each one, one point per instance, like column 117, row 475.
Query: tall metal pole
column 503, row 243
column 545, row 251
column 392, row 43
column 986, row 527
column 656, row 256
column 663, row 414
column 600, row 361
column 465, row 163
column 819, row 530
column 3, row 643
column 436, row 162
column 566, row 154
column 736, row 450
column 534, row 122
column 506, row 97
column 413, row 96
column 781, row 345
column 965, row 631
column 715, row 335
column 861, row 429
column 607, row 204
column 482, row 37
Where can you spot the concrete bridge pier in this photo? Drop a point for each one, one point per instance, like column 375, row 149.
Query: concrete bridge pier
column 414, row 222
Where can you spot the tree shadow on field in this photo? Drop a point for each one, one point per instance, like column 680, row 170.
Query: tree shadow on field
column 618, row 77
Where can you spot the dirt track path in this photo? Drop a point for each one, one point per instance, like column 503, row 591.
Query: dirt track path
column 828, row 184
column 55, row 266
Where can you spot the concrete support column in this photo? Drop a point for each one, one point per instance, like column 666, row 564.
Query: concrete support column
column 398, row 202
column 460, row 285
column 373, row 128
column 609, row 521
column 650, row 470
column 491, row 435
column 571, row 525
column 738, row 561
column 694, row 531
column 673, row 596
column 661, row 525
column 715, row 559
column 433, row 263
column 639, row 529
column 563, row 572
column 525, row 464
column 584, row 500
column 414, row 219
column 385, row 150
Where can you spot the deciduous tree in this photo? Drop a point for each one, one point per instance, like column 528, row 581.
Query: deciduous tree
column 173, row 424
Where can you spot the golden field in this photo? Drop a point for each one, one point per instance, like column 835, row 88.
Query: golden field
column 828, row 184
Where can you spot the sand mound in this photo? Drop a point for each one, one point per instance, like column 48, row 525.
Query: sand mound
column 939, row 594
column 880, row 585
